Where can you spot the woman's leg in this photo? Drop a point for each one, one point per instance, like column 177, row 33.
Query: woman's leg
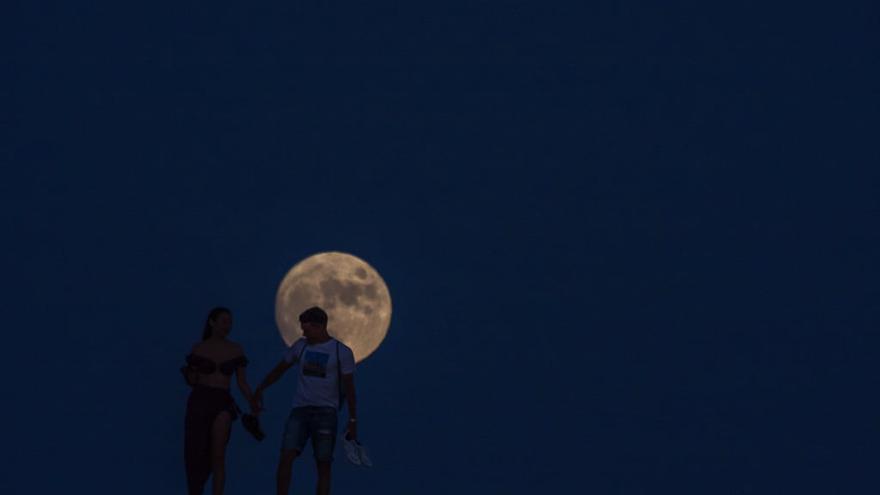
column 219, row 438
column 196, row 437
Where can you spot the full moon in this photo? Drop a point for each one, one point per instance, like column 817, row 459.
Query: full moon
column 352, row 293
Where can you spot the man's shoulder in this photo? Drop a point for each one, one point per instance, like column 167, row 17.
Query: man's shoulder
column 342, row 345
column 346, row 353
column 297, row 344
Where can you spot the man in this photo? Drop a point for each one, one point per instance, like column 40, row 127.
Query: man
column 326, row 370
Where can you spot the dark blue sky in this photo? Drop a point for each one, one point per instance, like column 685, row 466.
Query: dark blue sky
column 632, row 247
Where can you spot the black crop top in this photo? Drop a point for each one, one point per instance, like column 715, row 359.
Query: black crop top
column 204, row 365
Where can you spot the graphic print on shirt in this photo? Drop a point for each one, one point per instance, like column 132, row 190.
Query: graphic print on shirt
column 315, row 364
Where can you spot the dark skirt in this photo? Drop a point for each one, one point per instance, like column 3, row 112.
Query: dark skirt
column 202, row 408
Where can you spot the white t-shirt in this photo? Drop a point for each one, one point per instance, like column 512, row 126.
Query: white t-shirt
column 317, row 380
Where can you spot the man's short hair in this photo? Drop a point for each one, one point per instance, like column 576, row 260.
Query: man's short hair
column 313, row 315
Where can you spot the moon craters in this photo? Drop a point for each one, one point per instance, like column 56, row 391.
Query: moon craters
column 355, row 297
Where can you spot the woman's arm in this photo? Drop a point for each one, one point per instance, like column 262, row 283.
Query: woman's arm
column 189, row 373
column 241, row 378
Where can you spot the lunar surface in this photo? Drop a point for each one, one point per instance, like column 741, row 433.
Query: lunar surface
column 352, row 293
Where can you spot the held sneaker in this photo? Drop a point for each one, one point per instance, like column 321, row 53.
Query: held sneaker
column 362, row 453
column 351, row 450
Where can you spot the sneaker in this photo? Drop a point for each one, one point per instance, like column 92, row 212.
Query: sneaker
column 351, row 450
column 362, row 453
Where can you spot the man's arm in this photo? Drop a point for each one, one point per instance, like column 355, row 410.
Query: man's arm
column 271, row 378
column 274, row 375
column 351, row 400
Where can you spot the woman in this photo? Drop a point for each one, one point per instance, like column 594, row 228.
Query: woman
column 210, row 409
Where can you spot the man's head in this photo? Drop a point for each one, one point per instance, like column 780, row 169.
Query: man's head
column 313, row 322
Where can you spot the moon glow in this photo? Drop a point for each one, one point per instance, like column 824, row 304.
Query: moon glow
column 352, row 293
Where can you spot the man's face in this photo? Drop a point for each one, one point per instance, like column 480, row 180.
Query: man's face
column 311, row 329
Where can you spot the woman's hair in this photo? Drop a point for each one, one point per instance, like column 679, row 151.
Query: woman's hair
column 219, row 310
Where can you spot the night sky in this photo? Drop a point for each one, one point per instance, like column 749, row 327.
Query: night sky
column 632, row 246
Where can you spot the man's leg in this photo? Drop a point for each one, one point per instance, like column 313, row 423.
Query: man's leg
column 323, row 441
column 292, row 443
column 324, row 477
column 285, row 468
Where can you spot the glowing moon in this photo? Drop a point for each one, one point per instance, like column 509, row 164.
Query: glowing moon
column 352, row 293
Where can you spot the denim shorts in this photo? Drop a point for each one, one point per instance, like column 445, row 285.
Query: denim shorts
column 316, row 422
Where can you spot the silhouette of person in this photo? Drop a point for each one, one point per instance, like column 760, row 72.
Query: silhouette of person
column 210, row 409
column 325, row 381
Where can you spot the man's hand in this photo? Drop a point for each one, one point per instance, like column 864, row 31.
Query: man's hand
column 351, row 431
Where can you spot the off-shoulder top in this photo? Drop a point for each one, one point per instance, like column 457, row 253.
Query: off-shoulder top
column 207, row 366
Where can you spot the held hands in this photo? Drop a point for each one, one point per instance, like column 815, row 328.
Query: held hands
column 257, row 402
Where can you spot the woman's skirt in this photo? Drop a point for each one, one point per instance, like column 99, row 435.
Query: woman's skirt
column 202, row 408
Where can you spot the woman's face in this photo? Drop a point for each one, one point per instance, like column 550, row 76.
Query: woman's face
column 222, row 324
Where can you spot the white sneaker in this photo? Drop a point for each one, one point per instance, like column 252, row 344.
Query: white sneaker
column 351, row 450
column 362, row 453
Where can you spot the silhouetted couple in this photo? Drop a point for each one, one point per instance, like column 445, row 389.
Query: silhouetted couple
column 325, row 381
